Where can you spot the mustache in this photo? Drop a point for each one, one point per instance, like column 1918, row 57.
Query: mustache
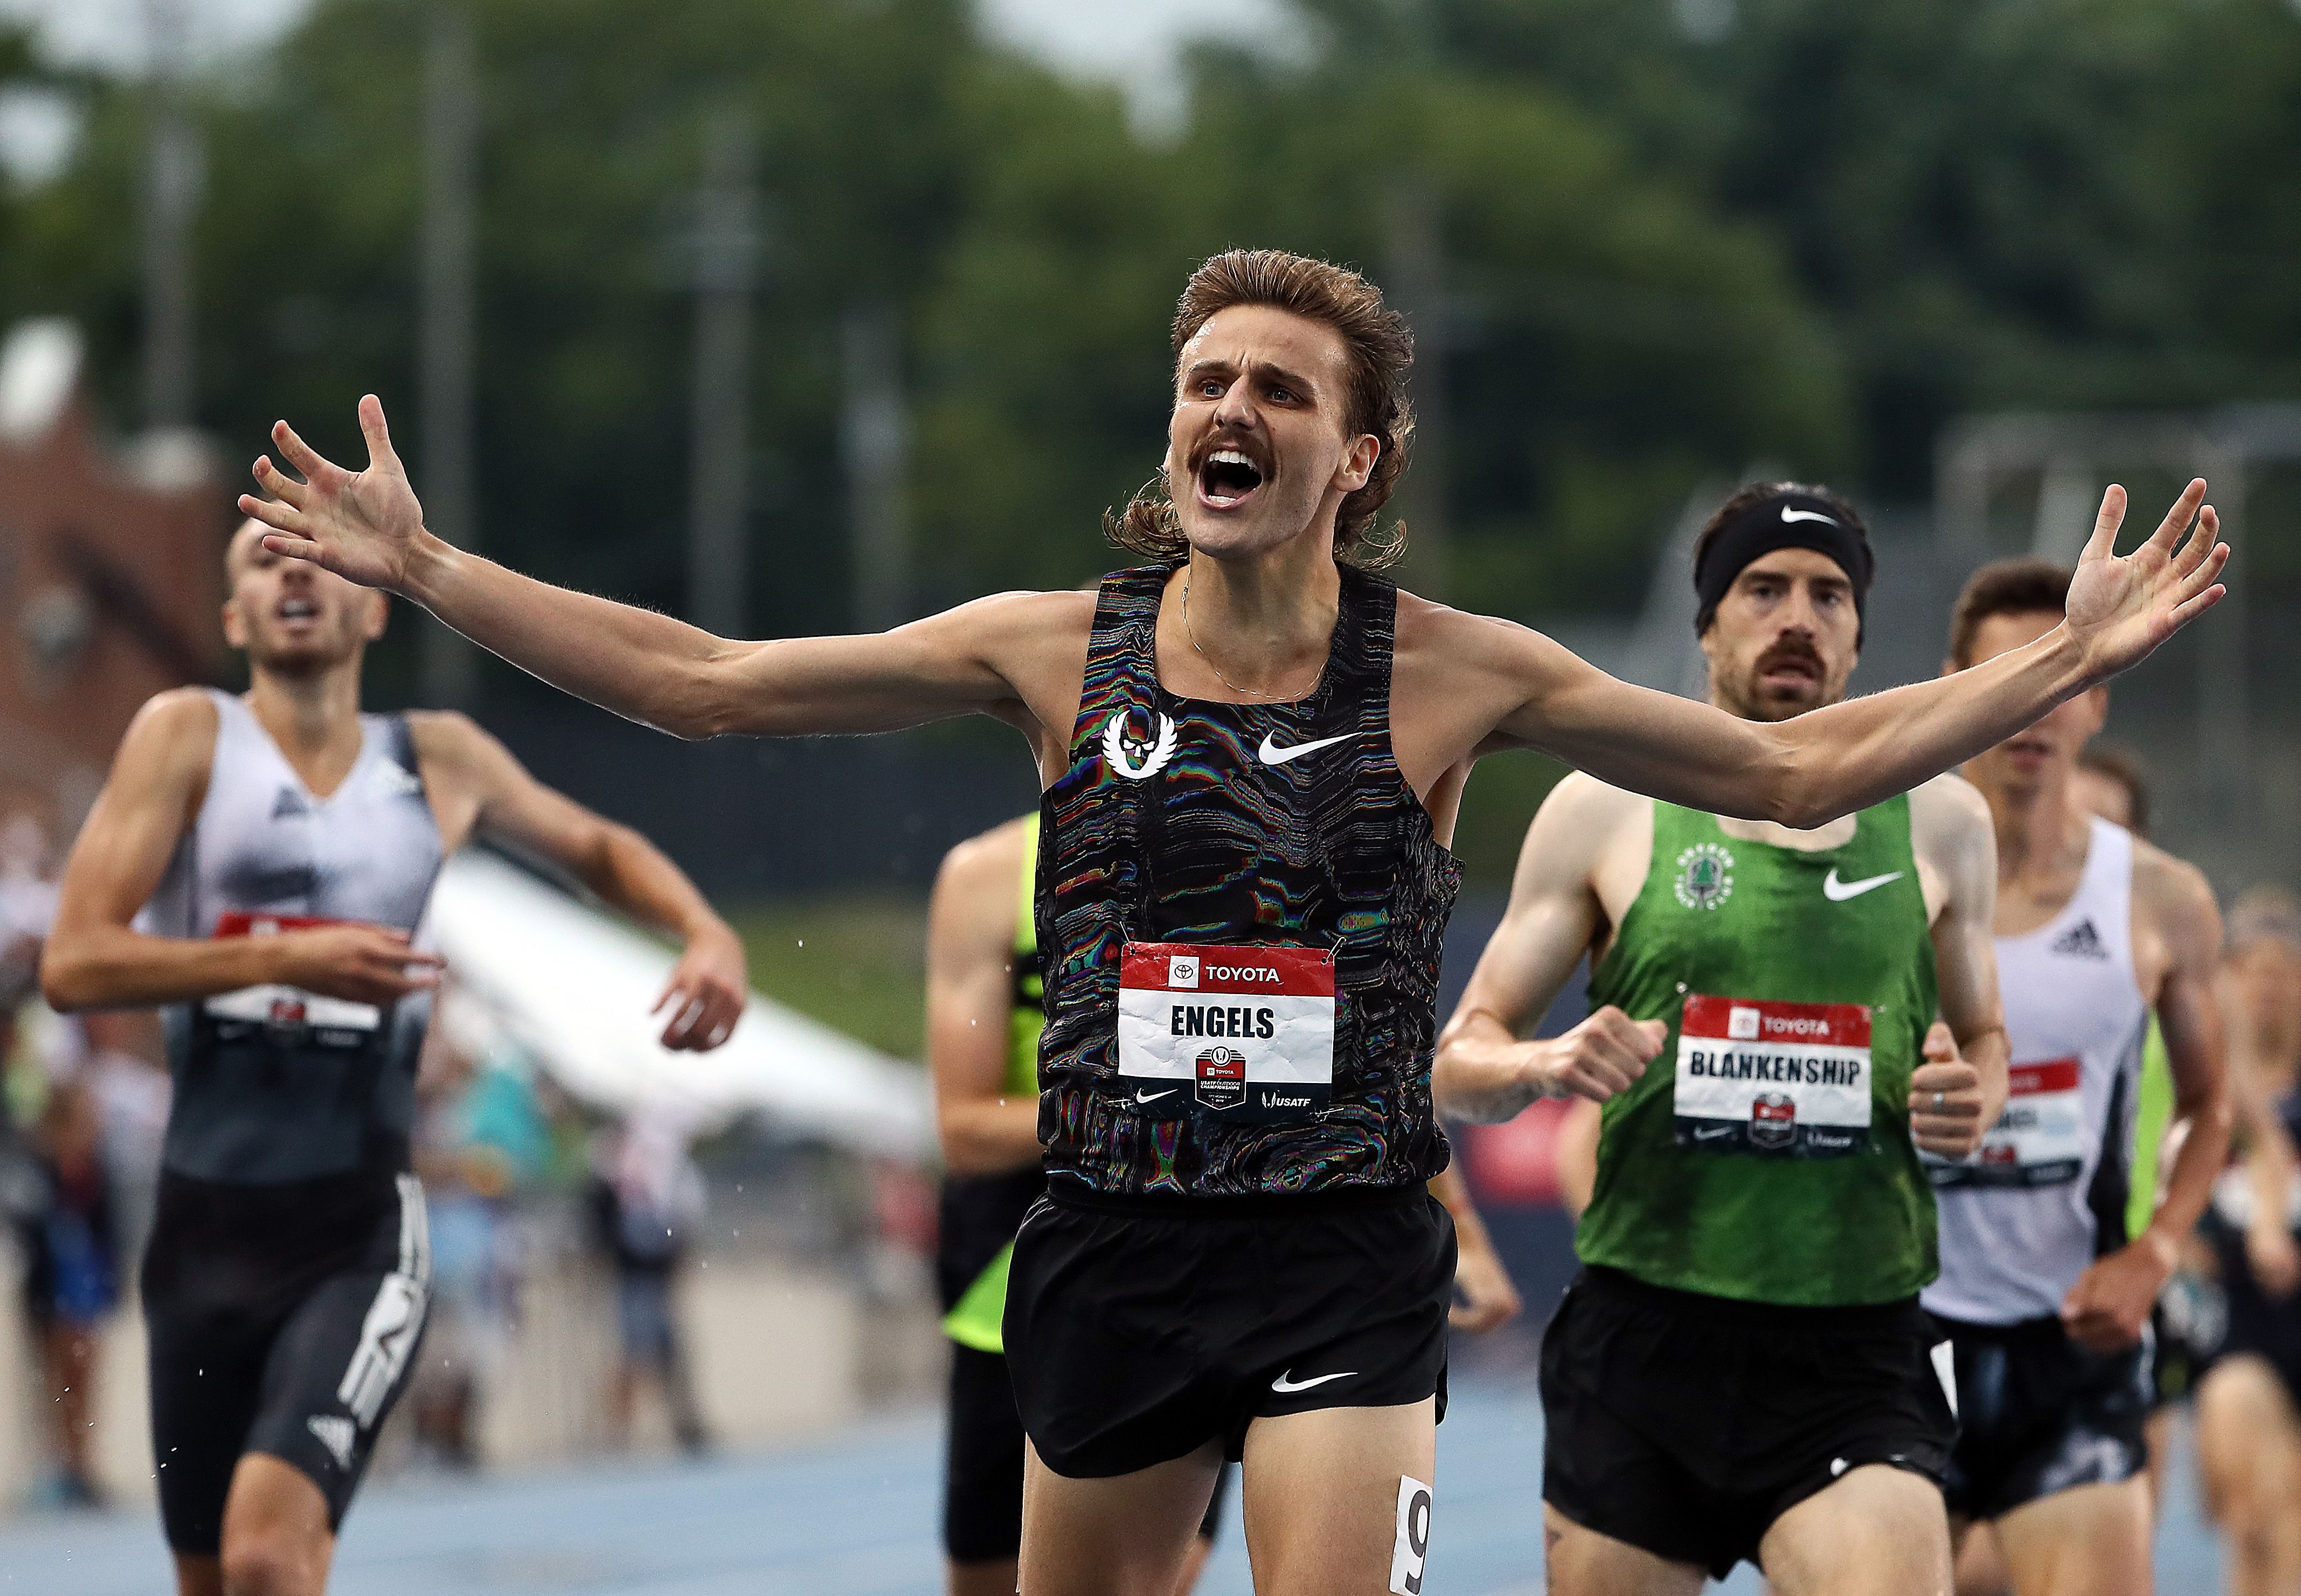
column 1791, row 650
column 1244, row 443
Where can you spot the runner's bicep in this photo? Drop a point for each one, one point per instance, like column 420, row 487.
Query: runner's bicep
column 131, row 834
column 971, row 973
column 1553, row 914
column 2189, row 1015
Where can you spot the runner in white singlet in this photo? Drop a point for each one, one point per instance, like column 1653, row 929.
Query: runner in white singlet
column 2043, row 1293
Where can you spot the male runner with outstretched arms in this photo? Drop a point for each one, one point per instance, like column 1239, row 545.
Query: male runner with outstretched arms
column 1252, row 748
column 2044, row 1297
column 259, row 864
column 1742, row 1370
column 985, row 1010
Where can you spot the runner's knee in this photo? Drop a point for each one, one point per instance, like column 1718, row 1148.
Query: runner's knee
column 272, row 1561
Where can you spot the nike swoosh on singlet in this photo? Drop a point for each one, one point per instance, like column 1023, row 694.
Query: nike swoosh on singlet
column 1838, row 891
column 1270, row 753
column 1287, row 1385
column 1808, row 515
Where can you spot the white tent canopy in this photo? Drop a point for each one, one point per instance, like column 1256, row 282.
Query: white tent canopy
column 573, row 987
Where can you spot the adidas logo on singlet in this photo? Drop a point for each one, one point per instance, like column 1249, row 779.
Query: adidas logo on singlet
column 2081, row 940
column 289, row 802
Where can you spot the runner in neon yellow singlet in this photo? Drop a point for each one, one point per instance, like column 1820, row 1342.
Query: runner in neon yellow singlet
column 1742, row 1370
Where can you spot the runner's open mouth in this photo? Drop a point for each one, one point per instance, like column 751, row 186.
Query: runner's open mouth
column 1227, row 476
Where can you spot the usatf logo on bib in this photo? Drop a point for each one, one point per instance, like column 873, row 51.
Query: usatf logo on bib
column 1248, row 1030
column 1705, row 876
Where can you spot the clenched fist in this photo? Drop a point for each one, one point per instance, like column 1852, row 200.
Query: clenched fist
column 1946, row 1099
column 1601, row 1058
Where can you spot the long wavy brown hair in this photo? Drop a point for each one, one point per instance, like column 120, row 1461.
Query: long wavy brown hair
column 1378, row 350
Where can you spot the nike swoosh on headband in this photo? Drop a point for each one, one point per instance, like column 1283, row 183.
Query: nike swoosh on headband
column 1270, row 753
column 1790, row 514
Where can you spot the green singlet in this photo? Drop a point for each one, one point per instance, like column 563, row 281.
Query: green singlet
column 1765, row 1154
column 977, row 1318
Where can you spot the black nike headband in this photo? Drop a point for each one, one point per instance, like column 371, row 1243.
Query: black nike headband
column 1784, row 520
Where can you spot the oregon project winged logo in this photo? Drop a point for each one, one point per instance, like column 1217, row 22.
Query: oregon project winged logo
column 1137, row 758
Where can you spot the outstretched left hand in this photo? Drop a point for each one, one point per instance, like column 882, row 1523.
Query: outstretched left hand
column 706, row 994
column 2122, row 606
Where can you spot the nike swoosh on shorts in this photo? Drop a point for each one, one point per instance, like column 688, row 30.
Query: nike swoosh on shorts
column 1838, row 891
column 1287, row 1385
column 1270, row 753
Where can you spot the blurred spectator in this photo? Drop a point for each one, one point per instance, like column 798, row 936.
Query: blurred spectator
column 71, row 1284
column 648, row 1199
column 481, row 1140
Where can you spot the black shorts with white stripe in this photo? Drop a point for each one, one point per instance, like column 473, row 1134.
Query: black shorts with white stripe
column 283, row 1320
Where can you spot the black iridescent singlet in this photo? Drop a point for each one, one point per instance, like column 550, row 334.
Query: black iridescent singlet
column 1176, row 824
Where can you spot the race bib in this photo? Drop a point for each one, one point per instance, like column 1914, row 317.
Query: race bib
column 1786, row 1079
column 2039, row 1140
column 286, row 1013
column 1247, row 1033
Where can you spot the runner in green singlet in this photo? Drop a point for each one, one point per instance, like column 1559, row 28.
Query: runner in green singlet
column 1741, row 1371
column 984, row 1014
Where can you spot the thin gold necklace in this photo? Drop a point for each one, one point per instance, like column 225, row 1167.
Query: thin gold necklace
column 1216, row 669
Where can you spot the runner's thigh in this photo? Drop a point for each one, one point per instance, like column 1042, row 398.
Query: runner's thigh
column 1117, row 1536
column 2248, row 1441
column 2088, row 1541
column 1338, row 1499
column 335, row 1373
column 1881, row 1530
column 1585, row 1563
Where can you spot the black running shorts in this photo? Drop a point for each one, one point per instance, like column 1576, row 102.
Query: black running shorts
column 1686, row 1425
column 283, row 1320
column 2039, row 1414
column 983, row 1465
column 1138, row 1330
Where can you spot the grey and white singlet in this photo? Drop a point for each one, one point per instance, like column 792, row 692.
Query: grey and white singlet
column 273, row 1084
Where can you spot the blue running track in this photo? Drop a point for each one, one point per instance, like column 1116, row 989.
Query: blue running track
column 849, row 1515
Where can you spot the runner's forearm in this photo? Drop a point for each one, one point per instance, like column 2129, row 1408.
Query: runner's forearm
column 2208, row 1119
column 634, row 876
column 989, row 1135
column 1863, row 751
column 1453, row 1193
column 1479, row 1072
column 1804, row 772
column 113, row 967
column 644, row 666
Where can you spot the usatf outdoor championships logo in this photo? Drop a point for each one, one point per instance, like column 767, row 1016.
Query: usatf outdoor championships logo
column 1705, row 876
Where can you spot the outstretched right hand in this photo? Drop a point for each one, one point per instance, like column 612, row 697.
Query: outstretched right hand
column 363, row 526
column 360, row 964
column 1601, row 1058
